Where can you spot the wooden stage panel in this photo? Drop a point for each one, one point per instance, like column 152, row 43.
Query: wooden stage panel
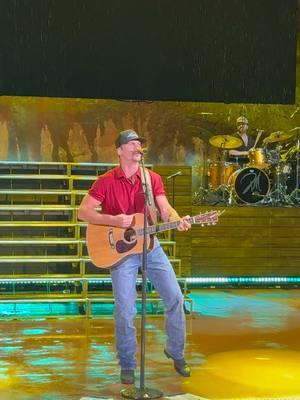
column 183, row 204
column 248, row 241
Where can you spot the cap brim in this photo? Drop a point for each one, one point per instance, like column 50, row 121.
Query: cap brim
column 140, row 139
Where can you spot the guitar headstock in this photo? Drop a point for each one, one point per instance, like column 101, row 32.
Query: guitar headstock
column 208, row 218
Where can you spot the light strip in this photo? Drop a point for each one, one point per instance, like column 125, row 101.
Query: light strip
column 188, row 280
column 243, row 279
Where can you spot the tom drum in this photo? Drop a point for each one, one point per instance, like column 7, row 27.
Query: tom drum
column 258, row 158
column 219, row 174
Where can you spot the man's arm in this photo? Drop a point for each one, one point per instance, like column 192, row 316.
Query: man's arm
column 168, row 213
column 238, row 153
column 87, row 212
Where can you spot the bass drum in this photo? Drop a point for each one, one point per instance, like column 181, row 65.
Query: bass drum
column 249, row 185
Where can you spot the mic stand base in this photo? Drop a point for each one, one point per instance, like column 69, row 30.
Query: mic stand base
column 146, row 393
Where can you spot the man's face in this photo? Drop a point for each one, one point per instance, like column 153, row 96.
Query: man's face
column 131, row 151
column 242, row 127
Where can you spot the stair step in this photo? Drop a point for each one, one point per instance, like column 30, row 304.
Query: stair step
column 34, row 176
column 36, row 191
column 41, row 241
column 33, row 207
column 37, row 223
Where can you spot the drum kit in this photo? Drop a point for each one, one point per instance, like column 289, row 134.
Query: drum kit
column 271, row 176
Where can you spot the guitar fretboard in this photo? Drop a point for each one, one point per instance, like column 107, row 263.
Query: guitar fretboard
column 152, row 229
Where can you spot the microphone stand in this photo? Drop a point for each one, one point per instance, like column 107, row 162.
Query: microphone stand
column 173, row 177
column 173, row 190
column 143, row 392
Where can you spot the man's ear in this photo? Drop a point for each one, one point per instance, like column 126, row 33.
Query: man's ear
column 119, row 151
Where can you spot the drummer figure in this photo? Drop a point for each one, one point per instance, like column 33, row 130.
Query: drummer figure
column 240, row 155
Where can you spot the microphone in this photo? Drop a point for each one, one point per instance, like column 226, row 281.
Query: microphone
column 173, row 175
column 142, row 151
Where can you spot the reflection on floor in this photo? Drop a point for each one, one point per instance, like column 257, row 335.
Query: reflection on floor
column 240, row 344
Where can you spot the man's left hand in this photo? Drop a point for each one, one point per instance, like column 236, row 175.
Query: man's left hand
column 184, row 225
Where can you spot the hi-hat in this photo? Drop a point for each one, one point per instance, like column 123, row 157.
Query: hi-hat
column 278, row 136
column 225, row 141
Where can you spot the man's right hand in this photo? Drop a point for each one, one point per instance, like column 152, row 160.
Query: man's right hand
column 123, row 220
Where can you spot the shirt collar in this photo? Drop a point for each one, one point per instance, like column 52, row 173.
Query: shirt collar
column 119, row 173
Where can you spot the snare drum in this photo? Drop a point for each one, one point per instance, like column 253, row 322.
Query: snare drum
column 250, row 185
column 258, row 158
column 219, row 174
column 273, row 157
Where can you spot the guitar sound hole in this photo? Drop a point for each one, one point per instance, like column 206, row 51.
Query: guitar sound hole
column 130, row 235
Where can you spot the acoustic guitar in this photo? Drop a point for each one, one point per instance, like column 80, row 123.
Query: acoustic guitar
column 108, row 246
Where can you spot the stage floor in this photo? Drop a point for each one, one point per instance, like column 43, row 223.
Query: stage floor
column 240, row 344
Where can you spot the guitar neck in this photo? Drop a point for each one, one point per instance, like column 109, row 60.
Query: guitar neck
column 165, row 226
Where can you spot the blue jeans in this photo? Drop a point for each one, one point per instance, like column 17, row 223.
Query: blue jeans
column 162, row 276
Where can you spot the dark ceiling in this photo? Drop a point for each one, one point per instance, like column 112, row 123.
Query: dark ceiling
column 200, row 50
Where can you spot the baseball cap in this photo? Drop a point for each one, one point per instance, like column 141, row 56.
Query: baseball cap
column 242, row 120
column 128, row 135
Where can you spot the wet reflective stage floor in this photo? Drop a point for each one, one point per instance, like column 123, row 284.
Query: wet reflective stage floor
column 240, row 344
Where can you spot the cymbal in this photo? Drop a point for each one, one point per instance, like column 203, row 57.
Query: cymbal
column 291, row 152
column 297, row 128
column 225, row 141
column 278, row 136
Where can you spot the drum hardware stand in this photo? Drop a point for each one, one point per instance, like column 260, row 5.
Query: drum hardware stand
column 217, row 195
column 204, row 196
column 222, row 191
column 199, row 196
column 222, row 194
column 231, row 200
column 278, row 196
column 295, row 195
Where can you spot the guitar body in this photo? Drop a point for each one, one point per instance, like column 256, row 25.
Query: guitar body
column 108, row 246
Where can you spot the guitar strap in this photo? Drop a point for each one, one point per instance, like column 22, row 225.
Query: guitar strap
column 150, row 202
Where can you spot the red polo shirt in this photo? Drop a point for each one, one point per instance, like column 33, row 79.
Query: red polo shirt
column 118, row 195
